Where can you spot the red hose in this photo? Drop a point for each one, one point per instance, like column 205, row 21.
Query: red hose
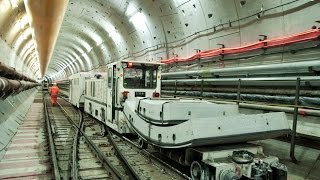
column 276, row 42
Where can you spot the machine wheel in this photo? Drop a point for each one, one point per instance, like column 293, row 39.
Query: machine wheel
column 103, row 130
column 196, row 171
column 242, row 157
column 142, row 143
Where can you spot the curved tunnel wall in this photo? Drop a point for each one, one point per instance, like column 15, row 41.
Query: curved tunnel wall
column 97, row 32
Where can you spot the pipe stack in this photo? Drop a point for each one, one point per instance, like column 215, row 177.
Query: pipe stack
column 12, row 82
column 11, row 73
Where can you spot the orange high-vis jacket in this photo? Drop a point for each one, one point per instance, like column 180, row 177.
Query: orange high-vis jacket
column 54, row 90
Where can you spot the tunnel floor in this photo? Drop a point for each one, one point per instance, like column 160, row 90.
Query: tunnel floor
column 27, row 157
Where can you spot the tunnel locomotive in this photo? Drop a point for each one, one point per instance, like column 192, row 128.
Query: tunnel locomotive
column 212, row 139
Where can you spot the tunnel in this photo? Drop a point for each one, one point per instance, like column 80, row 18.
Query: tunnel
column 262, row 55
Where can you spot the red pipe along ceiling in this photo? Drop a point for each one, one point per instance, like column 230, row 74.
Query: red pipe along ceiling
column 281, row 41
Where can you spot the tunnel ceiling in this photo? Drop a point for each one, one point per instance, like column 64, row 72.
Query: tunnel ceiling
column 96, row 32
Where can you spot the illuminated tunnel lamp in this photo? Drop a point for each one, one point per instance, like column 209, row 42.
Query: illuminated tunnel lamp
column 14, row 3
column 281, row 41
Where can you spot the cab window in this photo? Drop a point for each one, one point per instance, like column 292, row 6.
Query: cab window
column 109, row 77
column 140, row 77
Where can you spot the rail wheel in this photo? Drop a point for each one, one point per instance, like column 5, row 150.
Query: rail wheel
column 142, row 143
column 197, row 171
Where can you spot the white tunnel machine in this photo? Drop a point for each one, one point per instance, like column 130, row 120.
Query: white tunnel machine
column 175, row 123
column 124, row 81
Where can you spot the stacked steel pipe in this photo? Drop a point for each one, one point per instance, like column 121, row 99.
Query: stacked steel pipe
column 11, row 73
column 12, row 82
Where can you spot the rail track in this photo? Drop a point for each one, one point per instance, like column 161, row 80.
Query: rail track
column 83, row 148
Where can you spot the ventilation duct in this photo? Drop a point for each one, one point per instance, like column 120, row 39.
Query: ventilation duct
column 46, row 17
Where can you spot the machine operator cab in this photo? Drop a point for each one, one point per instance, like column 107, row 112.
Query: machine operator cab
column 126, row 81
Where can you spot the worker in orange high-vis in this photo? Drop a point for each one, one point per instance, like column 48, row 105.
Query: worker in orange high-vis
column 54, row 91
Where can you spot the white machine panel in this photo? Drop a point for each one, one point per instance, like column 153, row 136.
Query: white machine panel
column 209, row 130
column 171, row 111
column 77, row 88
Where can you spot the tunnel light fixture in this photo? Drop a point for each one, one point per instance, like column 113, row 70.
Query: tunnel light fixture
column 132, row 9
column 87, row 59
column 81, row 51
column 21, row 23
column 97, row 39
column 138, row 19
column 14, row 3
column 113, row 34
column 27, row 33
column 98, row 42
column 134, row 13
column 24, row 35
column 86, row 46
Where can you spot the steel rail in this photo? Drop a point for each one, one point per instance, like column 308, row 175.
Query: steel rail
column 75, row 152
column 132, row 173
column 54, row 159
column 107, row 164
column 147, row 153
